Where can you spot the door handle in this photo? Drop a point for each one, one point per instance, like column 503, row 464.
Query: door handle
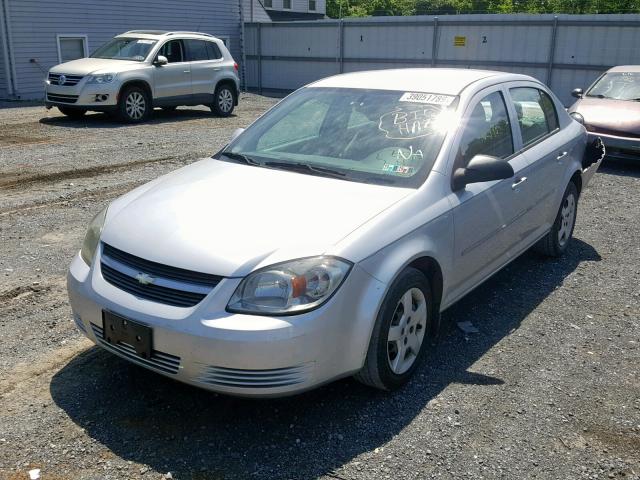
column 185, row 71
column 519, row 181
column 561, row 155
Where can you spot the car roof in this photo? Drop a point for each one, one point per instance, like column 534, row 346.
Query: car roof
column 448, row 81
column 625, row 68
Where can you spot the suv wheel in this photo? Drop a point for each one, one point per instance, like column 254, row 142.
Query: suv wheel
column 224, row 101
column 134, row 105
column 72, row 112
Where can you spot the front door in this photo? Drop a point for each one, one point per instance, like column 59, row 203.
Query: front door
column 172, row 82
column 489, row 217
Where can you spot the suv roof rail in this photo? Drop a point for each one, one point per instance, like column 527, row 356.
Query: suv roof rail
column 190, row 33
column 149, row 32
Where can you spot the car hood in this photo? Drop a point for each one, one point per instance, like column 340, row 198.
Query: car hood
column 228, row 219
column 603, row 114
column 86, row 66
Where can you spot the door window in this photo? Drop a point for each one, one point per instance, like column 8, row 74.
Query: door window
column 537, row 114
column 173, row 50
column 487, row 131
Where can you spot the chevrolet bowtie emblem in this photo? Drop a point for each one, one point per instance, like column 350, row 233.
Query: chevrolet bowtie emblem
column 145, row 279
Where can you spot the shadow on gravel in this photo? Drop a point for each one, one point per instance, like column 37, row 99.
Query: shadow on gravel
column 150, row 419
column 102, row 120
column 624, row 168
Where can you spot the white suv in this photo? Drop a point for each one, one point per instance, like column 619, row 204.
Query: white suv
column 143, row 69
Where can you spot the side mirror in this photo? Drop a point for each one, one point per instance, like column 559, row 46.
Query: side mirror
column 481, row 168
column 576, row 92
column 236, row 133
column 160, row 60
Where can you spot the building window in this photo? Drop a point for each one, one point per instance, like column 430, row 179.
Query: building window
column 312, row 5
column 71, row 47
column 286, row 4
column 268, row 3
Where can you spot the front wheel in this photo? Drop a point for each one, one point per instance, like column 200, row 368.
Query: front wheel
column 72, row 112
column 401, row 331
column 555, row 243
column 224, row 101
column 134, row 105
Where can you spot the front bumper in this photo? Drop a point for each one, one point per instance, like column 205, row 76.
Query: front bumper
column 85, row 95
column 619, row 147
column 246, row 355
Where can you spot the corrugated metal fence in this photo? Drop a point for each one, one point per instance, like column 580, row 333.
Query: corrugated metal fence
column 564, row 51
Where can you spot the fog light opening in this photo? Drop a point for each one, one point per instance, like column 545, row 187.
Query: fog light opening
column 101, row 97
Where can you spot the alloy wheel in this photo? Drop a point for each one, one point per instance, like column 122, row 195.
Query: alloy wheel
column 225, row 100
column 407, row 330
column 135, row 105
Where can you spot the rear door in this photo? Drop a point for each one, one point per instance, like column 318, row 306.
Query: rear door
column 206, row 65
column 488, row 216
column 172, row 82
column 546, row 150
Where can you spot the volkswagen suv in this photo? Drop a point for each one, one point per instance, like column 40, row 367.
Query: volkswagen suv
column 142, row 69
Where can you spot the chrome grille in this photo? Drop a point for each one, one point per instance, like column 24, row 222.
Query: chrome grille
column 56, row 97
column 69, row 80
column 164, row 362
column 270, row 378
column 163, row 284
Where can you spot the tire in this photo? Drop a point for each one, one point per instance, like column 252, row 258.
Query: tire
column 134, row 105
column 72, row 112
column 224, row 101
column 391, row 359
column 556, row 242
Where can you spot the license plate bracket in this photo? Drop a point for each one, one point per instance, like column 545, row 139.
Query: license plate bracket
column 117, row 329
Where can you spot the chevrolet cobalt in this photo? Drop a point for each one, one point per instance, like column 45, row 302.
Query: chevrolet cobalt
column 325, row 239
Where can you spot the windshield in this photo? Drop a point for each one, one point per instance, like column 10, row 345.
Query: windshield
column 125, row 49
column 372, row 136
column 617, row 85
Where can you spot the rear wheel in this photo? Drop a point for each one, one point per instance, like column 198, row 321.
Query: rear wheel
column 555, row 243
column 134, row 105
column 224, row 101
column 401, row 331
column 72, row 112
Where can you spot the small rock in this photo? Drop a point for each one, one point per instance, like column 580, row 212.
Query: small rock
column 168, row 476
column 467, row 327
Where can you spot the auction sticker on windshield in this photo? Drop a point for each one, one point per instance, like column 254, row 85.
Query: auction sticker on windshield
column 430, row 98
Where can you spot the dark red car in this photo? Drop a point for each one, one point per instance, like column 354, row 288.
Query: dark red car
column 610, row 109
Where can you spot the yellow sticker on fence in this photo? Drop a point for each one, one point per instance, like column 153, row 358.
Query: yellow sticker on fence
column 459, row 41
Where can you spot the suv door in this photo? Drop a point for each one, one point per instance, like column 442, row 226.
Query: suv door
column 488, row 216
column 206, row 65
column 172, row 82
column 546, row 152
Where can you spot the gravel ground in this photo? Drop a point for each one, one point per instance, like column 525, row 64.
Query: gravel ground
column 548, row 388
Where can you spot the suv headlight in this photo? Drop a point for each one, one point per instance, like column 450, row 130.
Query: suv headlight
column 103, row 78
column 92, row 238
column 290, row 287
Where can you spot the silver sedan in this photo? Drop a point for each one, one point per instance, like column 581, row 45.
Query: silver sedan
column 326, row 239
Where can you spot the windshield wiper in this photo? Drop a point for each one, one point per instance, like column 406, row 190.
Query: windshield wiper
column 240, row 157
column 306, row 168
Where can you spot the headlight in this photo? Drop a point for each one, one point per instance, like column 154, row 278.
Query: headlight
column 290, row 287
column 92, row 238
column 577, row 117
column 104, row 78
